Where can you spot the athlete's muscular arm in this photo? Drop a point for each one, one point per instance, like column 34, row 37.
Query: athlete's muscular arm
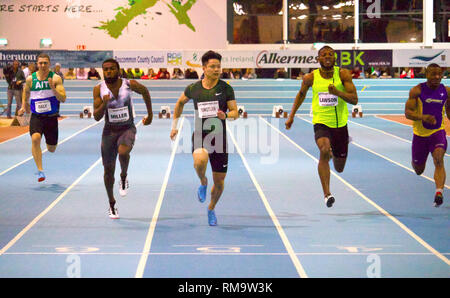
column 177, row 113
column 142, row 90
column 350, row 96
column 307, row 82
column 99, row 103
column 232, row 113
column 25, row 95
column 57, row 87
column 411, row 110
column 447, row 103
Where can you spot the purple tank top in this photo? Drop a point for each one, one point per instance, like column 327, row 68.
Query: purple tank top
column 432, row 103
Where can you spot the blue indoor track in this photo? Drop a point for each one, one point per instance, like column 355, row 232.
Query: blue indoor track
column 272, row 219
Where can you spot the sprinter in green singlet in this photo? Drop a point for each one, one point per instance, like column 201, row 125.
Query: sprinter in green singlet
column 332, row 89
column 46, row 91
column 212, row 98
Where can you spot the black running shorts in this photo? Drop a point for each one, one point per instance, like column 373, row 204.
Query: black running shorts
column 46, row 126
column 218, row 155
column 338, row 138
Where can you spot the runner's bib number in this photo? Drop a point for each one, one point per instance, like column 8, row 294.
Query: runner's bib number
column 42, row 106
column 208, row 109
column 327, row 100
column 118, row 115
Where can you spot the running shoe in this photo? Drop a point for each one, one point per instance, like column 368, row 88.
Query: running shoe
column 438, row 199
column 329, row 201
column 41, row 176
column 212, row 220
column 201, row 193
column 113, row 213
column 123, row 187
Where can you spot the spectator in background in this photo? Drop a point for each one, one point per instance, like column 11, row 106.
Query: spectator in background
column 58, row 71
column 150, row 75
column 27, row 71
column 300, row 75
column 137, row 73
column 70, row 74
column 191, row 74
column 375, row 74
column 123, row 73
column 407, row 73
column 93, row 74
column 226, row 74
column 15, row 79
column 237, row 73
column 249, row 74
column 163, row 74
column 421, row 73
column 356, row 72
column 82, row 74
column 446, row 73
column 385, row 75
column 177, row 74
column 129, row 73
column 281, row 73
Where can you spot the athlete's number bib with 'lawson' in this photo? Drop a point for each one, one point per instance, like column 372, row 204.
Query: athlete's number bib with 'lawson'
column 208, row 109
column 118, row 115
column 42, row 106
column 327, row 100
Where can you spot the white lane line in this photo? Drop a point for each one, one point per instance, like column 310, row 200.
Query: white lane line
column 53, row 204
column 8, row 140
column 384, row 212
column 386, row 133
column 45, row 150
column 386, row 158
column 228, row 253
column 396, row 122
column 285, row 240
column 151, row 231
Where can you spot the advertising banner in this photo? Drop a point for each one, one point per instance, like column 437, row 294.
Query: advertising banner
column 65, row 58
column 421, row 58
column 364, row 58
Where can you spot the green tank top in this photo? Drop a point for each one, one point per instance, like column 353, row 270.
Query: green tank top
column 328, row 109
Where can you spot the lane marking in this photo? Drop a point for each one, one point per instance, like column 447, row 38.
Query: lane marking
column 228, row 254
column 151, row 231
column 53, row 204
column 384, row 212
column 387, row 158
column 50, row 207
column 386, row 133
column 284, row 238
column 45, row 150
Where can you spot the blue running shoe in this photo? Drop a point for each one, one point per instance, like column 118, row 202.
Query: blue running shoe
column 41, row 176
column 212, row 220
column 201, row 193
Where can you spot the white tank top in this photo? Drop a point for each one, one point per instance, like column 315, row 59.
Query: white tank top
column 119, row 111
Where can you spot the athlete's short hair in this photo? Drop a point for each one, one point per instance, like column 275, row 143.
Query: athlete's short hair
column 433, row 65
column 325, row 48
column 210, row 55
column 43, row 55
column 111, row 60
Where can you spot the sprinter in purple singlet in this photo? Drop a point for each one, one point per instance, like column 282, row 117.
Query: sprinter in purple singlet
column 427, row 105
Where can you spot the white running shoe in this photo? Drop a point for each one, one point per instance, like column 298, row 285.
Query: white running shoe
column 123, row 187
column 113, row 214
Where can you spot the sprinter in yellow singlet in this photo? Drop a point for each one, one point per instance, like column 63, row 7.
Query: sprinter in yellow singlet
column 332, row 89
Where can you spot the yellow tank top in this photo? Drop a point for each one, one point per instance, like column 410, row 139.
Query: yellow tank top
column 328, row 109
